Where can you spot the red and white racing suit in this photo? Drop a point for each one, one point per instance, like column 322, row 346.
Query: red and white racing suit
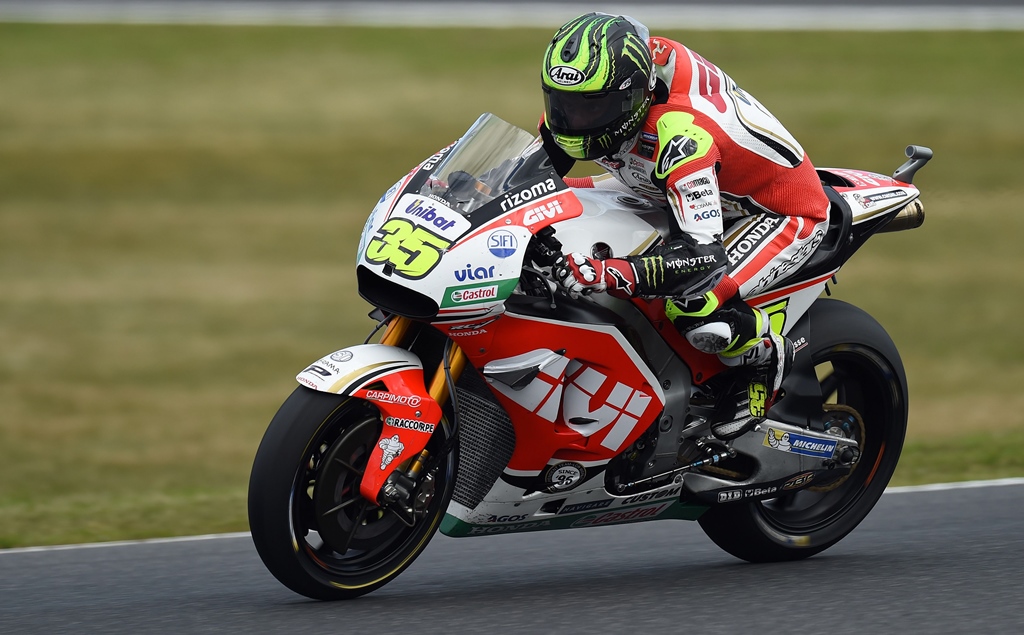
column 732, row 176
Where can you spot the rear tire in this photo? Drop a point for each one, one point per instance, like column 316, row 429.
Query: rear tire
column 311, row 527
column 858, row 366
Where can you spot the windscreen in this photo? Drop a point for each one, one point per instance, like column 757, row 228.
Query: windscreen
column 486, row 162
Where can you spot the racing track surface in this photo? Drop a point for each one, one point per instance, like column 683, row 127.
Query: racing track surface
column 923, row 562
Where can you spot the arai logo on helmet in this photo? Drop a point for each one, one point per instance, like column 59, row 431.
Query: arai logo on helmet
column 566, row 76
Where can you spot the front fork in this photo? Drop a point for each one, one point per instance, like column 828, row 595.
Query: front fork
column 402, row 485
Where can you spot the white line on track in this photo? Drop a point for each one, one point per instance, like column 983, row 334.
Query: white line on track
column 849, row 17
column 908, row 489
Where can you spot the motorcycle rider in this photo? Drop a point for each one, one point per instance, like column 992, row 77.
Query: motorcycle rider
column 746, row 205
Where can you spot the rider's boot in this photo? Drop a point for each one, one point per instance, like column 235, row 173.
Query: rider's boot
column 742, row 338
column 764, row 366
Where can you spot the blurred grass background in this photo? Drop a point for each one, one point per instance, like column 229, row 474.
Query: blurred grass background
column 180, row 207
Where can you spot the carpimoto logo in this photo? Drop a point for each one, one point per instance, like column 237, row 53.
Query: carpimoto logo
column 390, row 397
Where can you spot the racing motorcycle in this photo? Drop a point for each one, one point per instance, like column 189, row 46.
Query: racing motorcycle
column 493, row 403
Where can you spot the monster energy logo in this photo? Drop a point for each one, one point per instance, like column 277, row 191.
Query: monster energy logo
column 654, row 267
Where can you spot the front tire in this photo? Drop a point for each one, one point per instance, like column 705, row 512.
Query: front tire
column 858, row 367
column 311, row 527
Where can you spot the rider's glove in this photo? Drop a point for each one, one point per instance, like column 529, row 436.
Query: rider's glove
column 581, row 275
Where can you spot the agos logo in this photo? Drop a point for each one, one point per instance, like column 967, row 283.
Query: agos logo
column 566, row 76
column 711, row 213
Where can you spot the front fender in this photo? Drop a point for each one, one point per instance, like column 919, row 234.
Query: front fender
column 390, row 378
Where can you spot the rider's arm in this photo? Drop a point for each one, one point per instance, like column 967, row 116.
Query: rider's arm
column 693, row 261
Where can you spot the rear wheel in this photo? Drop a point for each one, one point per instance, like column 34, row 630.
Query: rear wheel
column 861, row 373
column 312, row 528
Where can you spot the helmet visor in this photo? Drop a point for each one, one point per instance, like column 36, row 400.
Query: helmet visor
column 581, row 113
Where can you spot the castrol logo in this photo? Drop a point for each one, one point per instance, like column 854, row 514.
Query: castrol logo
column 389, row 397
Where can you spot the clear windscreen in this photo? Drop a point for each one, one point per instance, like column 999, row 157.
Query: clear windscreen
column 486, row 162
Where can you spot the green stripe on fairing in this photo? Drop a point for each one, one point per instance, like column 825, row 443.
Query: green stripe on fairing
column 505, row 288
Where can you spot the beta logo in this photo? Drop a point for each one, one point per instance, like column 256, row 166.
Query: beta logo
column 566, row 76
column 502, row 243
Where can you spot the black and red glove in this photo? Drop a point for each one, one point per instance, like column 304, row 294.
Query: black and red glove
column 582, row 275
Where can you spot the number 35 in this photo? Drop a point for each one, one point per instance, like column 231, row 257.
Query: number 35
column 412, row 250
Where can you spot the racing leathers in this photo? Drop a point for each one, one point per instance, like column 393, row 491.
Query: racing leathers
column 746, row 209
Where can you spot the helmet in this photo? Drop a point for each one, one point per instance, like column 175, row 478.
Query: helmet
column 598, row 81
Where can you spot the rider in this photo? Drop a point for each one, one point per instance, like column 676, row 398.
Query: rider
column 672, row 127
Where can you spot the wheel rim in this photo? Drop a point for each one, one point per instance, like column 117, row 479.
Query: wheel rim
column 341, row 535
column 860, row 378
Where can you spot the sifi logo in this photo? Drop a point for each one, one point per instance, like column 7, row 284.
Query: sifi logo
column 539, row 213
column 422, row 209
column 502, row 243
column 566, row 75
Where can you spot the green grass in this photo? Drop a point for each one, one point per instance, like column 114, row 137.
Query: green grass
column 179, row 209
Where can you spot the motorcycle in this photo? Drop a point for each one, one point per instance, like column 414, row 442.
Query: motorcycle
column 494, row 403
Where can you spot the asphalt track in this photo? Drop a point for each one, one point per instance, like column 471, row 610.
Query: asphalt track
column 946, row 561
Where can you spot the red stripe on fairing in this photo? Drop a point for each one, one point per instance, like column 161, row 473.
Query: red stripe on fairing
column 765, row 298
column 769, row 250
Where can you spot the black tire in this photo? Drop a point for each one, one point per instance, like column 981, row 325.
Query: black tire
column 312, row 454
column 858, row 366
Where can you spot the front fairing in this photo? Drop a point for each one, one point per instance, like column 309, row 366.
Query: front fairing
column 431, row 246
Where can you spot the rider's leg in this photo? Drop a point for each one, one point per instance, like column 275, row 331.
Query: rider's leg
column 763, row 250
column 742, row 337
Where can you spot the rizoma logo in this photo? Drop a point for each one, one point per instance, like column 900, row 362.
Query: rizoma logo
column 526, row 194
column 541, row 212
column 462, row 296
column 566, row 75
column 422, row 209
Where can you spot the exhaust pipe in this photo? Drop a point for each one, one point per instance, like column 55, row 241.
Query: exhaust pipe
column 910, row 217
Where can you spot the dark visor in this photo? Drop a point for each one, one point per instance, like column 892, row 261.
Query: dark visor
column 580, row 113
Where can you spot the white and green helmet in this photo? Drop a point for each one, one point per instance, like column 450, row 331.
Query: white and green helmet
column 598, row 81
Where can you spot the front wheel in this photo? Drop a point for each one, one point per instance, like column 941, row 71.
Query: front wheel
column 313, row 530
column 859, row 368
